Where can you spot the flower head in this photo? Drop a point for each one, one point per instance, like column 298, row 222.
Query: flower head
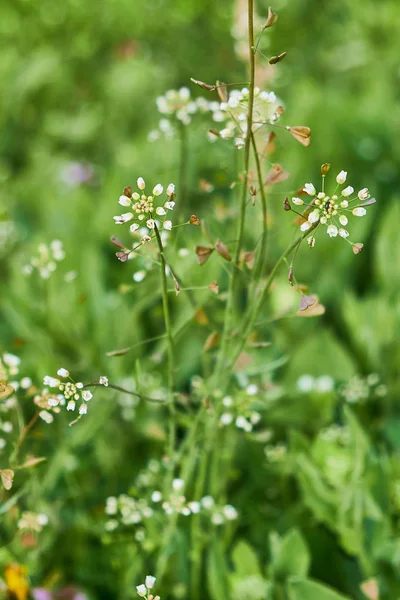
column 144, row 209
column 333, row 210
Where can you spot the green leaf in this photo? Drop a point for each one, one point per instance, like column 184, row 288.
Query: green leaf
column 290, row 556
column 245, row 560
column 306, row 589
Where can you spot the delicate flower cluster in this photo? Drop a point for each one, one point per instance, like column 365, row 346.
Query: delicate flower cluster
column 46, row 261
column 144, row 209
column 144, row 589
column 133, row 512
column 322, row 385
column 178, row 107
column 71, row 393
column 9, row 369
column 335, row 433
column 359, row 390
column 9, row 365
column 333, row 210
column 241, row 414
column 33, row 521
column 233, row 114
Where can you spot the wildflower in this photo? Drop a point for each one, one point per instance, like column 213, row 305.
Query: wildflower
column 156, row 496
column 63, row 372
column 46, row 416
column 83, row 409
column 341, row 178
column 178, row 484
column 232, row 113
column 143, row 208
column 86, row 395
column 298, row 201
column 51, row 381
column 150, row 581
column 46, row 260
column 333, row 210
column 103, row 380
column 141, row 590
column 34, row 521
column 230, row 512
column 71, row 405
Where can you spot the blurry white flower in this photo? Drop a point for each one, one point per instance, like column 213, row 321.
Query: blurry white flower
column 305, row 383
column 141, row 590
column 158, row 189
column 103, row 380
column 141, row 183
column 347, row 191
column 310, row 189
column 167, row 225
column 51, row 381
column 63, row 372
column 359, row 211
column 178, row 484
column 298, row 201
column 363, row 194
column 332, row 231
column 83, row 409
column 87, row 395
column 150, row 581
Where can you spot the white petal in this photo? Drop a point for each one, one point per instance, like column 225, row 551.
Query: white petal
column 141, row 183
column 343, row 220
column 124, row 200
column 298, row 201
column 158, row 189
column 332, row 230
column 309, row 189
column 167, row 225
column 341, row 178
column 347, row 191
column 161, row 211
column 359, row 211
column 343, row 233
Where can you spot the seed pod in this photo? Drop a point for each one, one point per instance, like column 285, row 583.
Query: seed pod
column 301, row 134
column 223, row 250
column 194, row 220
column 222, row 91
column 203, row 254
column 275, row 59
column 128, row 191
column 286, row 204
column 205, row 86
column 271, row 19
column 290, row 276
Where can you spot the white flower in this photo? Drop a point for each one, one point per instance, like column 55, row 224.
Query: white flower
column 124, row 201
column 230, row 512
column 42, row 519
column 150, row 223
column 46, row 416
column 103, row 380
column 332, row 230
column 311, row 241
column 150, row 581
column 347, row 191
column 305, row 383
column 341, row 178
column 158, row 189
column 134, row 227
column 11, row 360
column 226, row 419
column 344, row 204
column 167, row 225
column 207, row 501
column 53, row 401
column 83, row 409
column 141, row 183
column 79, row 385
column 51, row 381
column 71, row 405
column 242, row 423
column 343, row 233
column 324, row 383
column 161, row 211
column 298, row 201
column 63, row 372
column 310, row 189
column 305, row 226
column 343, row 220
column 139, row 276
column 194, row 507
column 364, row 194
column 141, row 590
column 227, row 401
column 169, row 205
column 86, row 395
column 26, row 383
column 313, row 217
column 171, row 189
column 177, row 484
column 156, row 496
column 145, row 239
column 124, row 218
column 359, row 211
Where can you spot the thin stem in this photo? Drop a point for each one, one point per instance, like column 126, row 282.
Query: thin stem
column 24, row 432
column 243, row 203
column 262, row 251
column 171, row 352
column 121, row 389
column 250, row 321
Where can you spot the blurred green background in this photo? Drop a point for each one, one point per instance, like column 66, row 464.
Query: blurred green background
column 79, row 82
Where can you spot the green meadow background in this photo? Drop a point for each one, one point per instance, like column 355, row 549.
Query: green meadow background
column 79, row 82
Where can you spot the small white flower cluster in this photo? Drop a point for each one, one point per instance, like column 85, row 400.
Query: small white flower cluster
column 333, row 210
column 133, row 512
column 240, row 414
column 71, row 392
column 9, row 368
column 143, row 211
column 9, row 365
column 359, row 390
column 46, row 261
column 307, row 383
column 233, row 114
column 144, row 589
column 33, row 521
column 178, row 107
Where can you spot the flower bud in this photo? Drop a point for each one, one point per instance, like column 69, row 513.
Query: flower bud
column 325, row 168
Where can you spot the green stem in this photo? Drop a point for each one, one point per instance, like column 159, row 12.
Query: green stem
column 243, row 203
column 260, row 260
column 256, row 309
column 171, row 353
